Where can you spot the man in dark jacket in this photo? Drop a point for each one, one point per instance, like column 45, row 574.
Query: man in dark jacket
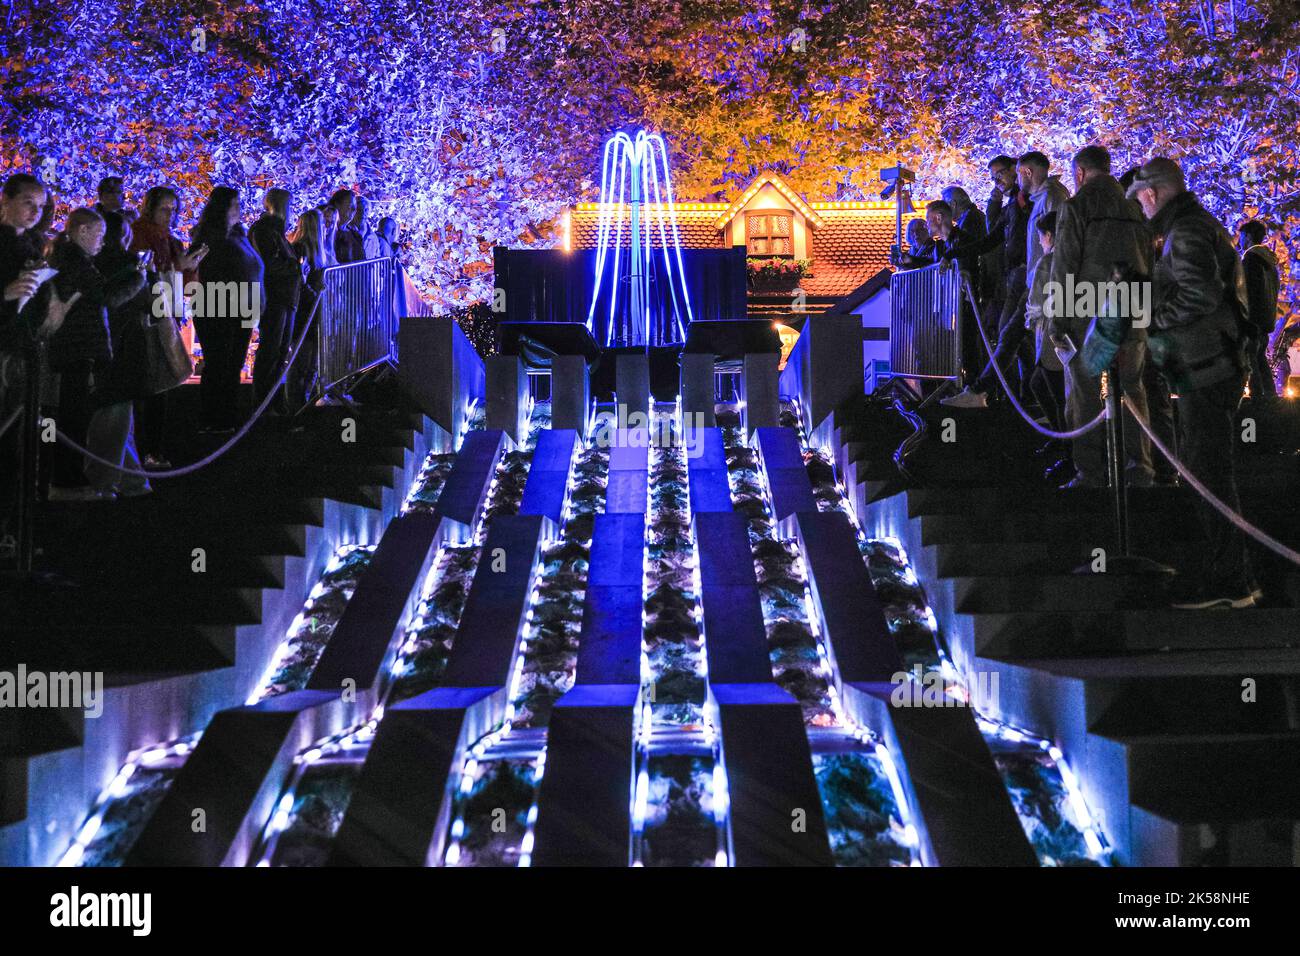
column 80, row 350
column 1262, row 283
column 1006, row 189
column 1098, row 230
column 1197, row 340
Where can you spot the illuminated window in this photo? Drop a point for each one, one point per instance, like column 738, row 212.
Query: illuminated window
column 769, row 233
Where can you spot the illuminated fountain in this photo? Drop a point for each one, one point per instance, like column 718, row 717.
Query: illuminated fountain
column 634, row 173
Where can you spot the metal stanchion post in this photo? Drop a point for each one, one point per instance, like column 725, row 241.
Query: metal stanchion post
column 1112, row 393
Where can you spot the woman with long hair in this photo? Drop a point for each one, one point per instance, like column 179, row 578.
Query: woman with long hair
column 231, row 259
column 315, row 251
column 283, row 291
column 155, row 232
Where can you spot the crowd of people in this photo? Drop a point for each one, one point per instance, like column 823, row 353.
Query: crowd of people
column 89, row 301
column 1211, row 327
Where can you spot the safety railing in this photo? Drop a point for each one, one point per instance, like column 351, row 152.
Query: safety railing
column 362, row 304
column 925, row 322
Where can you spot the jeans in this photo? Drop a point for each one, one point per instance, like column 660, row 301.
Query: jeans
column 1160, row 411
column 274, row 337
column 1263, row 388
column 301, row 379
column 1010, row 336
column 1047, row 386
column 110, row 438
column 1083, row 404
column 1208, row 432
column 151, row 424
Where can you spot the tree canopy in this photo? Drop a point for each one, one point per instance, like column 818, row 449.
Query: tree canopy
column 477, row 124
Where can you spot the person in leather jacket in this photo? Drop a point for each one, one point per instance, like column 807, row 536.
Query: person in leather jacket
column 1197, row 338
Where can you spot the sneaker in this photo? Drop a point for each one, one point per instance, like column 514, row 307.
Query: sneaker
column 1206, row 598
column 966, row 398
column 1078, row 481
column 86, row 493
column 154, row 463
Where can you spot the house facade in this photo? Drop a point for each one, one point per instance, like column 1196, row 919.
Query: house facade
column 804, row 257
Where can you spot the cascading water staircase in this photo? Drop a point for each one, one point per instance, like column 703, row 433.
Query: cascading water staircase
column 679, row 799
column 1044, row 791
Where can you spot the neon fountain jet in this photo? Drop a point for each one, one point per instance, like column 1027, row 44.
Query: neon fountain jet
column 636, row 317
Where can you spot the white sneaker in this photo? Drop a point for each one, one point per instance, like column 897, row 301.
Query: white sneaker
column 966, row 399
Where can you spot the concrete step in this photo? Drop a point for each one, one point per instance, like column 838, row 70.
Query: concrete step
column 119, row 649
column 1178, row 839
column 1211, row 777
column 1082, row 633
column 1059, row 592
column 196, row 602
column 1259, row 491
column 1094, row 531
column 1055, row 557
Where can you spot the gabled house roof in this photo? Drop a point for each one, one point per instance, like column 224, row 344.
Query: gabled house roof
column 765, row 179
column 848, row 241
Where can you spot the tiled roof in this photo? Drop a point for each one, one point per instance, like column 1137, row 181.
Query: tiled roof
column 695, row 226
column 849, row 249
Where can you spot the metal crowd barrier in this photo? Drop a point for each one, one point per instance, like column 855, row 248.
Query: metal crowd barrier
column 361, row 306
column 925, row 322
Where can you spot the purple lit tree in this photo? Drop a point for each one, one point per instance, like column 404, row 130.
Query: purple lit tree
column 477, row 125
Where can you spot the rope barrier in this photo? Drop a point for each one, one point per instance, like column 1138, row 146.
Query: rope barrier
column 12, row 418
column 1277, row 547
column 230, row 442
column 1006, row 387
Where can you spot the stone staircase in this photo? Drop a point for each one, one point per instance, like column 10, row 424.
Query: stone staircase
column 181, row 598
column 1149, row 704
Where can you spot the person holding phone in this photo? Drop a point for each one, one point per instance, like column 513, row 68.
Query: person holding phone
column 110, row 434
column 80, row 350
column 154, row 234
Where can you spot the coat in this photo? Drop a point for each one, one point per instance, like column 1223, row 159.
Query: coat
column 167, row 250
column 348, row 245
column 1048, row 199
column 1036, row 318
column 1262, row 282
column 282, row 270
column 1200, row 313
column 1096, row 229
column 231, row 258
column 17, row 252
column 84, row 335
